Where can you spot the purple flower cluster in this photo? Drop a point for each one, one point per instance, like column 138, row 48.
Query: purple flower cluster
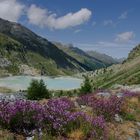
column 99, row 122
column 86, row 99
column 108, row 107
column 21, row 115
column 101, row 106
column 59, row 113
column 100, row 129
column 64, row 118
column 57, row 117
column 131, row 94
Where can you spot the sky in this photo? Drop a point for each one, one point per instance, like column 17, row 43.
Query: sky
column 106, row 26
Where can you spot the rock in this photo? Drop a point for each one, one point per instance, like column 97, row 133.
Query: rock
column 53, row 94
column 138, row 123
column 130, row 138
column 116, row 86
column 83, row 106
column 119, row 95
column 4, row 62
column 76, row 104
column 27, row 70
column 104, row 94
column 30, row 138
column 138, row 132
column 118, row 118
column 12, row 96
column 135, row 90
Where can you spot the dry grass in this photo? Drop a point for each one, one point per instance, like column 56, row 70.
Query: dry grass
column 6, row 135
column 6, row 90
column 76, row 135
column 122, row 131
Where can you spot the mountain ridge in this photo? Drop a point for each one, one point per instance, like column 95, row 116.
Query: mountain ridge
column 33, row 42
column 51, row 59
column 84, row 57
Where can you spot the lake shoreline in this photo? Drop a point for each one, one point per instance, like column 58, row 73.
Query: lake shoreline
column 21, row 82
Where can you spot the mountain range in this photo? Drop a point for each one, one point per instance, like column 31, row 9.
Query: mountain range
column 92, row 59
column 24, row 52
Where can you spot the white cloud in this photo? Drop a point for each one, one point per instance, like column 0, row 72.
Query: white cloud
column 125, row 37
column 43, row 18
column 123, row 15
column 37, row 16
column 11, row 10
column 108, row 22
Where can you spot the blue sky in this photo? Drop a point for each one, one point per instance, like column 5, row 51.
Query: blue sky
column 107, row 26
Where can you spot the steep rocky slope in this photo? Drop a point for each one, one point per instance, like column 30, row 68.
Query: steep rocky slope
column 92, row 61
column 37, row 51
column 24, row 52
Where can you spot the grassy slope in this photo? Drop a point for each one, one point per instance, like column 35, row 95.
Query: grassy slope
column 15, row 52
column 49, row 66
column 134, row 53
column 126, row 73
column 39, row 45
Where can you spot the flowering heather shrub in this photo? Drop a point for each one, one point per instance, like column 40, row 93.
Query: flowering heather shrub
column 21, row 115
column 59, row 112
column 93, row 128
column 58, row 117
column 99, row 130
column 87, row 100
column 131, row 94
column 106, row 107
column 63, row 119
column 26, row 115
column 63, row 103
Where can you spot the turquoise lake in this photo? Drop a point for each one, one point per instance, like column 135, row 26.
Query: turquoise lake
column 56, row 83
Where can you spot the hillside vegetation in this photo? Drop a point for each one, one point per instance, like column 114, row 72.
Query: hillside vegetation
column 35, row 51
column 127, row 73
column 24, row 52
column 94, row 61
column 134, row 53
column 15, row 58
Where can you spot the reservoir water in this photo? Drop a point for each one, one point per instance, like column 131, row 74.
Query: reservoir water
column 54, row 83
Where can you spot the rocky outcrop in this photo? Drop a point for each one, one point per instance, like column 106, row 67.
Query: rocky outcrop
column 12, row 96
column 4, row 62
column 27, row 70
